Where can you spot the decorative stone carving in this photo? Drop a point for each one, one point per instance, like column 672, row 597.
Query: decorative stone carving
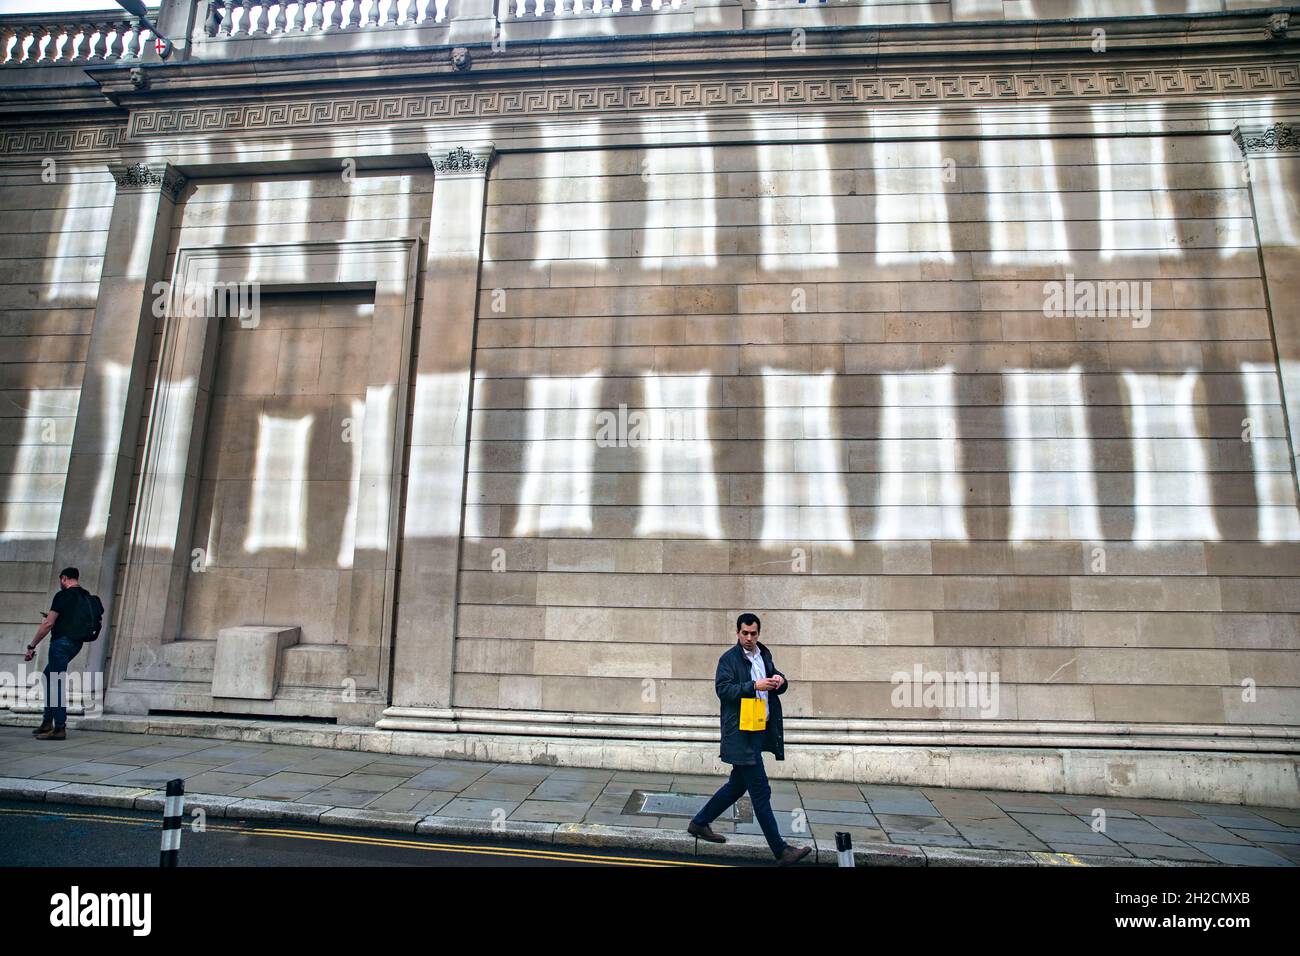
column 461, row 59
column 1016, row 87
column 1280, row 137
column 143, row 176
column 63, row 139
column 1278, row 24
column 461, row 160
column 139, row 79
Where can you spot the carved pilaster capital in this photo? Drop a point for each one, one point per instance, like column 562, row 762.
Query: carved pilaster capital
column 1278, row 138
column 461, row 161
column 140, row 177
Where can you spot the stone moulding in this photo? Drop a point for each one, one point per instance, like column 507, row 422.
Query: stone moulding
column 1278, row 138
column 62, row 139
column 616, row 97
column 829, row 732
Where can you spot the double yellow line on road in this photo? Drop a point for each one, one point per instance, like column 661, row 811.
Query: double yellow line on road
column 558, row 856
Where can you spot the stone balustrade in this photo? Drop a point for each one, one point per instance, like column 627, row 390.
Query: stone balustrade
column 72, row 39
column 240, row 29
column 232, row 19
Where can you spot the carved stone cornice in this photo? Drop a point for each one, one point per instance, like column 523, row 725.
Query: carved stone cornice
column 141, row 177
column 37, row 140
column 1278, row 138
column 461, row 162
column 557, row 97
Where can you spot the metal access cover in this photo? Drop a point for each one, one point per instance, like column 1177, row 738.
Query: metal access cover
column 682, row 805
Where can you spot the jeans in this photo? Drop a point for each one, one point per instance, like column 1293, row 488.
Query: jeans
column 62, row 651
column 754, row 780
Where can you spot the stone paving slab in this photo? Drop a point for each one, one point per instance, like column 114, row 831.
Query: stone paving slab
column 890, row 825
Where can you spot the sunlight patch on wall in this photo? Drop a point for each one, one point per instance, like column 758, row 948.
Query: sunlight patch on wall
column 795, row 200
column 559, row 467
column 920, row 457
column 572, row 200
column 1053, row 487
column 366, row 522
column 676, row 178
column 29, row 510
column 60, row 267
column 1279, row 519
column 1025, row 214
column 1165, row 441
column 277, row 516
column 803, row 486
column 679, row 493
column 171, row 428
column 910, row 199
column 437, row 425
column 111, row 410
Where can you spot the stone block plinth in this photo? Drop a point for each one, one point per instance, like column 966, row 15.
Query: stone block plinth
column 248, row 659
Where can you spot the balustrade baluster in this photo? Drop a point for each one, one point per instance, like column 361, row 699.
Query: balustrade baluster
column 93, row 39
column 133, row 41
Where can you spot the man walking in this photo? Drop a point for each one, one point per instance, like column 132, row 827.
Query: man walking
column 747, row 671
column 71, row 619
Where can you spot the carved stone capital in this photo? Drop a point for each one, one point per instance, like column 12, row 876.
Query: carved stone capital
column 1278, row 138
column 460, row 161
column 140, row 177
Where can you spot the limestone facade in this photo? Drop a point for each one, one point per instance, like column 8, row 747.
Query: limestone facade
column 534, row 341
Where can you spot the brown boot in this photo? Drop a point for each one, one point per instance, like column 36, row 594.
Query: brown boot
column 704, row 833
column 54, row 733
column 793, row 854
column 45, row 727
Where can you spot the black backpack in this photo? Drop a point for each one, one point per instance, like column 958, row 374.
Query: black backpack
column 91, row 620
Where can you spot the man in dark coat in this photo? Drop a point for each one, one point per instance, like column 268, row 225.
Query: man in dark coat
column 747, row 671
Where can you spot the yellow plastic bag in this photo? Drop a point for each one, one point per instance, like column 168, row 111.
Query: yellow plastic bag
column 753, row 713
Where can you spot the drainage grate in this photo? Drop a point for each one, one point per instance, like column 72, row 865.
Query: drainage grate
column 652, row 804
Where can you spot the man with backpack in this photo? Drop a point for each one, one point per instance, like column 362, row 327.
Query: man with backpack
column 74, row 618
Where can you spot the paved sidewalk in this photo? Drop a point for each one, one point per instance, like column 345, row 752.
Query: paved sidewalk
column 890, row 824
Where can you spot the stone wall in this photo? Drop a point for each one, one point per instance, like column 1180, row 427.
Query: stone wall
column 52, row 235
column 884, row 446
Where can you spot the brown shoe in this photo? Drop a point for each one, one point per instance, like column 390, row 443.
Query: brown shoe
column 704, row 833
column 793, row 854
column 54, row 733
column 45, row 727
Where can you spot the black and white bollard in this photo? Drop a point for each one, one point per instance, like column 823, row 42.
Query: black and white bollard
column 173, row 812
column 844, row 848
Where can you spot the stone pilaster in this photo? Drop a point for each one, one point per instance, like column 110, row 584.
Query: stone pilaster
column 424, row 642
column 113, row 385
column 1272, row 155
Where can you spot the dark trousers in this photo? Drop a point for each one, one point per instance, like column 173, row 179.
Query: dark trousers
column 751, row 779
column 62, row 651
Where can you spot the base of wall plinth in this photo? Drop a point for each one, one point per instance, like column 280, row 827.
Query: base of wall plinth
column 136, row 698
column 1254, row 779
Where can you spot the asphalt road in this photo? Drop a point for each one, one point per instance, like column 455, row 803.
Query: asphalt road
column 33, row 834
